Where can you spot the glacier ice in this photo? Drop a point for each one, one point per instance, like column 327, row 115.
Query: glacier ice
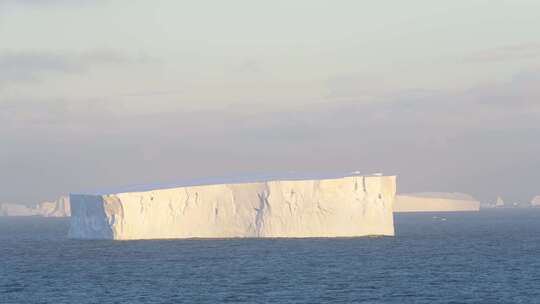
column 337, row 207
column 435, row 202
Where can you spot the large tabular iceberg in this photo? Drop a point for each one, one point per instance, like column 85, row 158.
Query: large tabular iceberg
column 435, row 202
column 339, row 207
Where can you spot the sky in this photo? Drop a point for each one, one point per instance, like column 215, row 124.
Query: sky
column 105, row 94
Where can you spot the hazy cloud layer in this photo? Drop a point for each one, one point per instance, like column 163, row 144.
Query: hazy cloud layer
column 29, row 66
column 227, row 90
column 38, row 3
column 511, row 52
column 454, row 141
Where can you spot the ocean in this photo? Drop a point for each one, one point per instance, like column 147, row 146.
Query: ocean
column 491, row 256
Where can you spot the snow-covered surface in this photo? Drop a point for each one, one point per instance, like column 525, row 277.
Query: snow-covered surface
column 337, row 207
column 58, row 208
column 435, row 202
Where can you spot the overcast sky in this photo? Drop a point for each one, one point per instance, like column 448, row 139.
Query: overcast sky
column 105, row 94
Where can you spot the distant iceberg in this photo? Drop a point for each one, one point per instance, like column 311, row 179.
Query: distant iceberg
column 345, row 206
column 58, row 208
column 7, row 209
column 500, row 202
column 435, row 202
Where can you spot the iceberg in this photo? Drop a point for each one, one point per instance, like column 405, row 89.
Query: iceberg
column 348, row 206
column 8, row 209
column 435, row 202
column 535, row 202
column 58, row 208
column 500, row 202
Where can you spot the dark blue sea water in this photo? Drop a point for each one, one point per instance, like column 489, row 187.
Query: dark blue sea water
column 485, row 257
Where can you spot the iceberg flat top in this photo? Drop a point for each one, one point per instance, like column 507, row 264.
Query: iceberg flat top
column 220, row 180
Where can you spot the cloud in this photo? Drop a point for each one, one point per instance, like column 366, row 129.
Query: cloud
column 354, row 87
column 464, row 141
column 448, row 141
column 505, row 53
column 49, row 2
column 31, row 66
column 27, row 113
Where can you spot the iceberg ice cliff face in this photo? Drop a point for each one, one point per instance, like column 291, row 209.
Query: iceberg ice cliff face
column 341, row 207
column 435, row 202
column 58, row 208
